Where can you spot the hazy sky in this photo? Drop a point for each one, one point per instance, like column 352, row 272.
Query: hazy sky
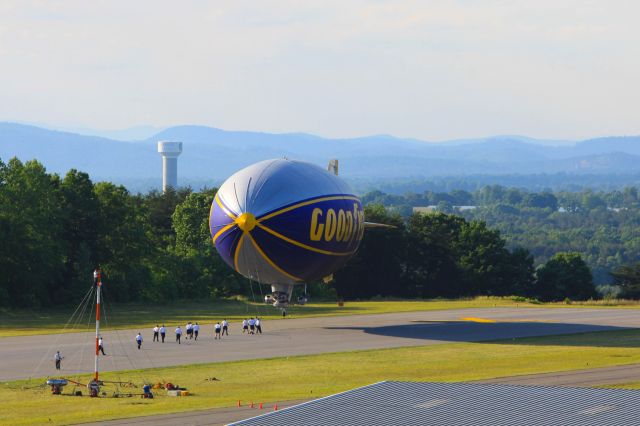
column 426, row 69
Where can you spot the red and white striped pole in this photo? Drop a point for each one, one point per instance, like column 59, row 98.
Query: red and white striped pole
column 98, row 283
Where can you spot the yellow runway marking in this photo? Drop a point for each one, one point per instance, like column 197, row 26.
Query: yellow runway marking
column 474, row 319
column 487, row 320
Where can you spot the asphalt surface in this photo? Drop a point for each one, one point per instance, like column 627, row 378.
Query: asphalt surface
column 32, row 356
column 576, row 378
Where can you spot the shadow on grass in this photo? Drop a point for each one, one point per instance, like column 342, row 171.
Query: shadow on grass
column 521, row 333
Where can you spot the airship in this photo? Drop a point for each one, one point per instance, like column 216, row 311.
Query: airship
column 283, row 222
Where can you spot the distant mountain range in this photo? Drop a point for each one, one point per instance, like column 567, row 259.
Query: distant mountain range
column 210, row 154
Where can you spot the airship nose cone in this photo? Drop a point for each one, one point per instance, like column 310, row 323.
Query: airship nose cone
column 246, row 222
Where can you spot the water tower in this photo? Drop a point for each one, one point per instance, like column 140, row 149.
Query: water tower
column 170, row 152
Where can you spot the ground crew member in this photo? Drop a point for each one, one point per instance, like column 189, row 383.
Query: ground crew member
column 178, row 334
column 258, row 326
column 217, row 328
column 139, row 340
column 196, row 329
column 163, row 332
column 252, row 325
column 58, row 357
column 100, row 347
column 189, row 330
column 225, row 327
column 245, row 326
column 156, row 331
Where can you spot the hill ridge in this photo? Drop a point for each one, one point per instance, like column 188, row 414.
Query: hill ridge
column 213, row 154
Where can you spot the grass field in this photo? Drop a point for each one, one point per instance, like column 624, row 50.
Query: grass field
column 630, row 385
column 319, row 375
column 30, row 322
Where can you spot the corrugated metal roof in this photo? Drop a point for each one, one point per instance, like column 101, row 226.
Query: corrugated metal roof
column 419, row 403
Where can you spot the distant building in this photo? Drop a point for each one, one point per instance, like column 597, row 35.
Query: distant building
column 434, row 208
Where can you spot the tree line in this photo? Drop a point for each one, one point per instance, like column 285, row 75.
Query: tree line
column 600, row 226
column 492, row 195
column 156, row 247
column 56, row 230
column 549, row 182
column 443, row 255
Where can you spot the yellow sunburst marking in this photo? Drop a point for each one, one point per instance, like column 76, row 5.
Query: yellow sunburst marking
column 237, row 253
column 243, row 218
column 246, row 221
column 269, row 261
column 223, row 230
column 224, row 209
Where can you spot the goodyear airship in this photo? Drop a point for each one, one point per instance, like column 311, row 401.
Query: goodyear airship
column 284, row 222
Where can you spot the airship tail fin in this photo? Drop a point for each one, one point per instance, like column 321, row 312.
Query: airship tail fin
column 333, row 168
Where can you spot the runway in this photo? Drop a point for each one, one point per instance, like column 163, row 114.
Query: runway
column 32, row 356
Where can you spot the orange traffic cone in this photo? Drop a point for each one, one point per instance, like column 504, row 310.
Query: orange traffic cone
column 275, row 407
column 261, row 405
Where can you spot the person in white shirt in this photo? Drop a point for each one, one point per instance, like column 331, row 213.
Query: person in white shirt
column 58, row 358
column 225, row 327
column 189, row 330
column 252, row 325
column 178, row 334
column 217, row 330
column 258, row 326
column 245, row 326
column 139, row 340
column 156, row 332
column 100, row 347
column 196, row 329
column 163, row 332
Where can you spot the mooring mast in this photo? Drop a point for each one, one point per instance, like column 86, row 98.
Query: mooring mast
column 97, row 281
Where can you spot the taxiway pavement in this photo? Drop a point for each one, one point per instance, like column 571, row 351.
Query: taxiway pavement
column 32, row 356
